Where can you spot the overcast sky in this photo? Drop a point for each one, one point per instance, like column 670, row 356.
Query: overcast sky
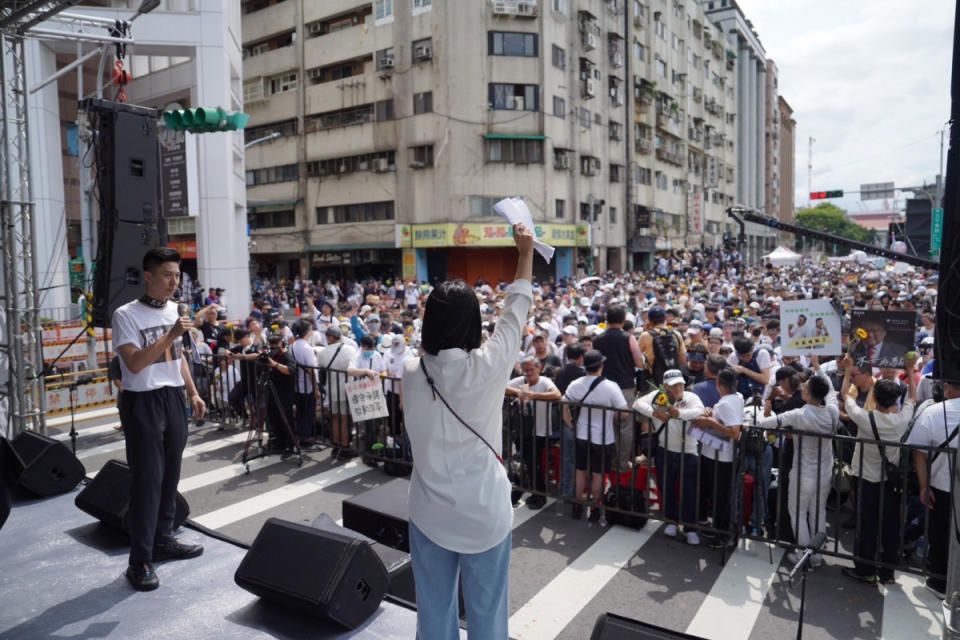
column 869, row 80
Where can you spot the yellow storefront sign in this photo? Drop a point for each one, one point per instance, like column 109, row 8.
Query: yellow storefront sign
column 476, row 234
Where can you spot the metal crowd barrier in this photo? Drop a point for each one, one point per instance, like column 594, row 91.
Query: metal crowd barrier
column 753, row 496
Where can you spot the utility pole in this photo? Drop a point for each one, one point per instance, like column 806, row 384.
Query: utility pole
column 810, row 169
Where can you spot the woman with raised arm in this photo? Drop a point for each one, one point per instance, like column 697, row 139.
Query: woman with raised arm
column 461, row 516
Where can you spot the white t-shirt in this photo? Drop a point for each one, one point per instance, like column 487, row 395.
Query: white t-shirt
column 606, row 394
column 306, row 357
column 729, row 412
column 540, row 408
column 393, row 360
column 337, row 377
column 141, row 325
column 411, row 296
column 931, row 430
column 374, row 362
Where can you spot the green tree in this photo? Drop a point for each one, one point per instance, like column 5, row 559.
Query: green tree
column 830, row 218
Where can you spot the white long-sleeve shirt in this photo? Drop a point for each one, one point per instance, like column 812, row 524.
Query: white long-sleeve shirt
column 673, row 437
column 459, row 491
column 810, row 451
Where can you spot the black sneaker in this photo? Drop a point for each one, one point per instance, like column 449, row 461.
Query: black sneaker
column 173, row 549
column 536, row 502
column 594, row 514
column 142, row 577
column 576, row 511
column 346, row 454
column 515, row 497
column 851, row 572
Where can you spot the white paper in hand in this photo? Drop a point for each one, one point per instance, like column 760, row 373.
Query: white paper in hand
column 515, row 211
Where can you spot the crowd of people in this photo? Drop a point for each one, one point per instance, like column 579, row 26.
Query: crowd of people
column 679, row 371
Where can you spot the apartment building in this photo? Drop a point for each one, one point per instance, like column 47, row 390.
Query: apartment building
column 383, row 132
column 772, row 142
column 788, row 149
column 752, row 96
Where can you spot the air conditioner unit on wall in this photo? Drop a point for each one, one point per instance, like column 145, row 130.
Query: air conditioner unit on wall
column 315, row 28
column 380, row 165
column 386, row 63
column 314, row 73
column 591, row 41
column 423, row 53
column 563, row 161
column 518, row 103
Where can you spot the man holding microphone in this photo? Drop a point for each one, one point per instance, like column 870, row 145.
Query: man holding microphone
column 147, row 336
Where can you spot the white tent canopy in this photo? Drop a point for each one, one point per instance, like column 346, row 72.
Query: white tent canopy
column 782, row 257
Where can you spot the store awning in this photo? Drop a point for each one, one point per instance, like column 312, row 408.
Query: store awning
column 731, row 54
column 513, row 136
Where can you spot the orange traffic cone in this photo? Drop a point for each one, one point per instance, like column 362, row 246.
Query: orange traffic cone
column 296, row 311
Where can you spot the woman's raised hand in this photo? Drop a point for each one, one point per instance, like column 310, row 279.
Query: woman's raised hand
column 523, row 238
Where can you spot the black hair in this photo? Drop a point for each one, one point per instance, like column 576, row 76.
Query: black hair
column 616, row 315
column 451, row 319
column 716, row 363
column 575, row 350
column 699, row 347
column 302, row 327
column 275, row 339
column 818, row 388
column 727, row 379
column 157, row 256
column 368, row 341
column 743, row 346
column 886, row 393
column 240, row 334
column 773, row 323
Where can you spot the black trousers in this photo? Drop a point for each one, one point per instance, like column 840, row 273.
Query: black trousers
column 155, row 428
column 939, row 533
column 278, row 417
column 877, row 527
column 306, row 415
column 716, row 479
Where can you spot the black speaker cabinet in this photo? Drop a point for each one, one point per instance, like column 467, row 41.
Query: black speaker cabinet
column 610, row 626
column 321, row 573
column 128, row 182
column 9, row 468
column 107, row 497
column 382, row 514
column 44, row 466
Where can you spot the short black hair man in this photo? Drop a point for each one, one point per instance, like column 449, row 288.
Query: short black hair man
column 147, row 336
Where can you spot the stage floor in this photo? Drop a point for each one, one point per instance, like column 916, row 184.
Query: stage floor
column 61, row 576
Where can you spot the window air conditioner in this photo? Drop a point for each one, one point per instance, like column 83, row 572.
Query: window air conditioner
column 314, row 74
column 380, row 165
column 423, row 53
column 563, row 161
column 386, row 63
column 591, row 41
column 518, row 103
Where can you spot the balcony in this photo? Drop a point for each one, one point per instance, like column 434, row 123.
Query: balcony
column 271, row 21
column 270, row 63
column 670, row 157
column 518, row 8
column 642, row 145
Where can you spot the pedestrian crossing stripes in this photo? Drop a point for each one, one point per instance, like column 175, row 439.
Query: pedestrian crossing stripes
column 564, row 571
column 91, row 431
column 79, row 416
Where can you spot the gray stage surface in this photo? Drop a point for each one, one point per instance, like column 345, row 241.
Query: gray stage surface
column 61, row 576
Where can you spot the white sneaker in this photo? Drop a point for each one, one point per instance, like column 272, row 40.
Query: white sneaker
column 670, row 530
column 792, row 557
column 693, row 538
column 816, row 560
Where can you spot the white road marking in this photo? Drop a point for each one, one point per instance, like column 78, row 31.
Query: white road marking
column 575, row 586
column 189, row 452
column 737, row 596
column 110, row 427
column 909, row 610
column 257, row 504
column 81, row 416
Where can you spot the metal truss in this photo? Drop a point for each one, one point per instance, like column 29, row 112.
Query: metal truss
column 22, row 342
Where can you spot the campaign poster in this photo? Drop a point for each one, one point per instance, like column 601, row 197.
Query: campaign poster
column 881, row 338
column 809, row 327
column 366, row 399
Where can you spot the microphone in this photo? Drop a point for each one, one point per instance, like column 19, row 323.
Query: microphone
column 815, row 543
column 183, row 310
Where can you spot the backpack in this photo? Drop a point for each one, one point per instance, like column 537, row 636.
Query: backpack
column 752, row 442
column 666, row 352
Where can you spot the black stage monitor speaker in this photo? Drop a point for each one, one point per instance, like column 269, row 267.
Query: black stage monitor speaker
column 610, row 626
column 321, row 573
column 107, row 497
column 9, row 469
column 128, row 183
column 44, row 466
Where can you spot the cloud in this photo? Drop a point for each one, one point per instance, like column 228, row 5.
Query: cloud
column 870, row 81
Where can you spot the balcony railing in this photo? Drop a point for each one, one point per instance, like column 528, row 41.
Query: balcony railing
column 642, row 145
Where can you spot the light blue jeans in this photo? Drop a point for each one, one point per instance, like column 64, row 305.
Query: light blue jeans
column 485, row 579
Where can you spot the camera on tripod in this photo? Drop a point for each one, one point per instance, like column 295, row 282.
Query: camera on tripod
column 271, row 353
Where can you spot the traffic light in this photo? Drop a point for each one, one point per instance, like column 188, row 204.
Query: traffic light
column 820, row 195
column 205, row 120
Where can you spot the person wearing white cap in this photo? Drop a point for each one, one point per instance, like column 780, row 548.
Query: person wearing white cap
column 569, row 336
column 676, row 455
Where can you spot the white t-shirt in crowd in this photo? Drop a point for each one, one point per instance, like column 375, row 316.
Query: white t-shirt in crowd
column 930, row 429
column 411, row 295
column 673, row 437
column 141, row 325
column 606, row 394
column 729, row 412
column 337, row 361
column 540, row 408
column 393, row 361
column 374, row 362
column 306, row 357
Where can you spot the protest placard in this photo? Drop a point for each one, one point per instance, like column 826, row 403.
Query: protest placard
column 809, row 327
column 881, row 338
column 366, row 399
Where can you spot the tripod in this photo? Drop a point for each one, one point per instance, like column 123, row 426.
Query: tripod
column 265, row 391
column 73, row 394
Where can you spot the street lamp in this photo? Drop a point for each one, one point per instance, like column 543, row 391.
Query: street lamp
column 272, row 136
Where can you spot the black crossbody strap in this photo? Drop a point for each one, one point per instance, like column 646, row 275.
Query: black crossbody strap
column 876, row 435
column 436, row 394
column 590, row 390
column 943, row 445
